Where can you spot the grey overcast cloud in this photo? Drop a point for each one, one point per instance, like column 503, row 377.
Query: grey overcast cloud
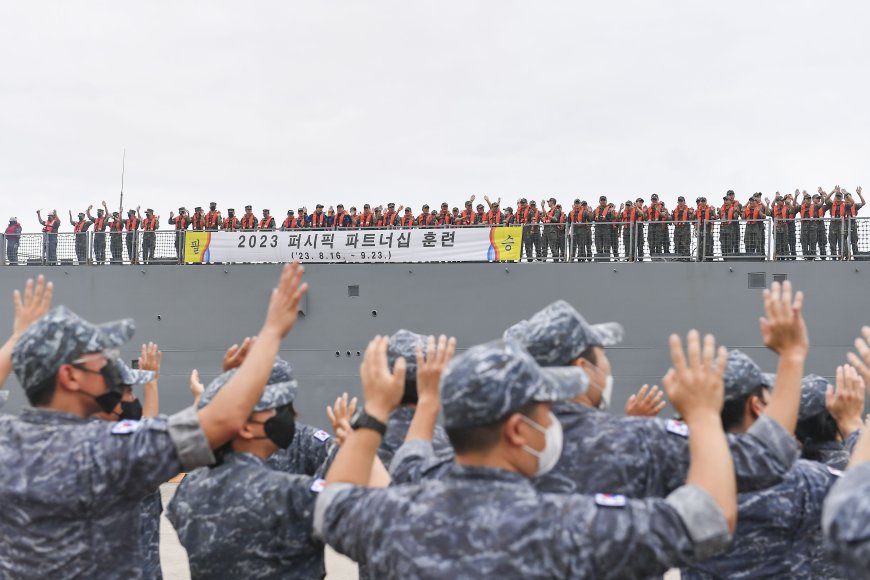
column 283, row 104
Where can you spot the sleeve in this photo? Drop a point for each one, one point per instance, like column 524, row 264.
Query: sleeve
column 852, row 440
column 815, row 480
column 762, row 455
column 137, row 456
column 415, row 461
column 347, row 517
column 846, row 518
column 642, row 537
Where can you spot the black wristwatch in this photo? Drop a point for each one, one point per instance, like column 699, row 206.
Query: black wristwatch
column 362, row 420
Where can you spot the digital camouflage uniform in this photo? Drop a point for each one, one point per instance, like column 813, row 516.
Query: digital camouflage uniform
column 779, row 531
column 403, row 343
column 152, row 505
column 308, row 452
column 73, row 487
column 483, row 522
column 243, row 518
column 634, row 456
column 846, row 520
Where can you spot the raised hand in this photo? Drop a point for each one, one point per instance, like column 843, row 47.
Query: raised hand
column 430, row 367
column 196, row 387
column 235, row 355
column 284, row 304
column 782, row 328
column 339, row 415
column 382, row 387
column 862, row 364
column 33, row 304
column 646, row 403
column 149, row 359
column 846, row 403
column 695, row 388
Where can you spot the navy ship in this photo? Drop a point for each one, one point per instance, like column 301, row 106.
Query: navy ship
column 195, row 312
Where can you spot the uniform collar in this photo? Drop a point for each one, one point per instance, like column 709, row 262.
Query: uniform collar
column 489, row 474
column 49, row 417
column 243, row 459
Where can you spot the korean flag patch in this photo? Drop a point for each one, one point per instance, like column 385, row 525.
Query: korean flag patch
column 321, row 435
column 125, row 427
column 835, row 472
column 678, row 428
column 610, row 500
column 317, row 485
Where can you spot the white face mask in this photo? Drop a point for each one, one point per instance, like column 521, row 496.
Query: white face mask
column 547, row 458
column 606, row 392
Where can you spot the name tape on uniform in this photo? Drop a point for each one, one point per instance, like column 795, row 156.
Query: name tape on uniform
column 321, row 435
column 610, row 500
column 317, row 485
column 125, row 427
column 678, row 428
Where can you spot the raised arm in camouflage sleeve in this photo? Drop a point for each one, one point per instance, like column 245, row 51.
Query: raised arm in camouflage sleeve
column 516, row 532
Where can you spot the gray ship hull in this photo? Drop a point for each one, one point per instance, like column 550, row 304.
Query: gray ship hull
column 195, row 312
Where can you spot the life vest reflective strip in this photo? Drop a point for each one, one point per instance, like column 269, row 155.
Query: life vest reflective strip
column 706, row 214
column 601, row 213
column 132, row 224
column 407, row 220
column 212, row 219
column 264, row 223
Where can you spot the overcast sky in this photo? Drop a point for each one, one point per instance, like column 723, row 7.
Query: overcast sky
column 280, row 104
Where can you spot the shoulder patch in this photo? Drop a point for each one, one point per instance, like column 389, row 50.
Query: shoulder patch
column 321, row 435
column 835, row 472
column 317, row 485
column 677, row 428
column 126, row 426
column 610, row 500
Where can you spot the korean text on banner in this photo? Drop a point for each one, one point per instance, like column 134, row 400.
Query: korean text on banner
column 382, row 245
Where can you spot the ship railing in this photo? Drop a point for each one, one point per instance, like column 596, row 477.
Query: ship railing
column 716, row 240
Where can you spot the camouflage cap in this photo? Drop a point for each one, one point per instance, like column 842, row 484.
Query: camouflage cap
column 280, row 389
column 132, row 377
column 490, row 381
column 558, row 335
column 742, row 375
column 404, row 344
column 517, row 332
column 769, row 380
column 813, row 391
column 60, row 337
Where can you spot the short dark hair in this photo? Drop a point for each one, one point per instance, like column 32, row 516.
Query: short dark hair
column 590, row 355
column 813, row 431
column 733, row 411
column 41, row 394
column 482, row 437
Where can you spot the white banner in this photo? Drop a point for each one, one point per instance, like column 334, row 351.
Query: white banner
column 363, row 245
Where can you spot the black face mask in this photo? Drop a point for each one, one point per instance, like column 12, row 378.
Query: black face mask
column 114, row 386
column 280, row 428
column 131, row 410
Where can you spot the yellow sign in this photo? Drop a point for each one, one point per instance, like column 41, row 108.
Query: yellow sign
column 505, row 243
column 196, row 247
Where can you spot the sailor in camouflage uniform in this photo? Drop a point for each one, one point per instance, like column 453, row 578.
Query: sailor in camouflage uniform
column 404, row 344
column 778, row 529
column 76, row 485
column 634, row 456
column 311, row 448
column 824, row 438
column 72, row 487
column 485, row 519
column 241, row 518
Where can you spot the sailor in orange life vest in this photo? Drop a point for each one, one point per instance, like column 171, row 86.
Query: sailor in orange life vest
column 80, row 227
column 101, row 224
column 704, row 217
